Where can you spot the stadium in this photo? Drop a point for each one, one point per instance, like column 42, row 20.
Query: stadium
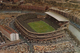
column 36, row 27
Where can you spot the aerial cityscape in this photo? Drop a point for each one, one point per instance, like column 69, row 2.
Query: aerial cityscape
column 39, row 26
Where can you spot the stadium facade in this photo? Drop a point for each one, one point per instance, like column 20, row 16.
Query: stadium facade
column 59, row 23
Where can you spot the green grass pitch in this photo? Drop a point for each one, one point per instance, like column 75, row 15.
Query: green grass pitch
column 40, row 27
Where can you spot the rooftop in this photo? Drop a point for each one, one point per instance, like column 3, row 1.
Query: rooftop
column 8, row 29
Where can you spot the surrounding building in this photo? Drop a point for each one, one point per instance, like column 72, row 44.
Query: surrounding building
column 30, row 6
column 11, row 34
column 13, row 1
column 65, row 47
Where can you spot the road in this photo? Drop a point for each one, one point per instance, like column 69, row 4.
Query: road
column 77, row 34
column 74, row 31
column 42, row 13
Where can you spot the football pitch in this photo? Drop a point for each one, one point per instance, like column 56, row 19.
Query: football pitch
column 41, row 26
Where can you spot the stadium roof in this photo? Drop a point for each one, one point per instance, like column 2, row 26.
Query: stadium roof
column 56, row 16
